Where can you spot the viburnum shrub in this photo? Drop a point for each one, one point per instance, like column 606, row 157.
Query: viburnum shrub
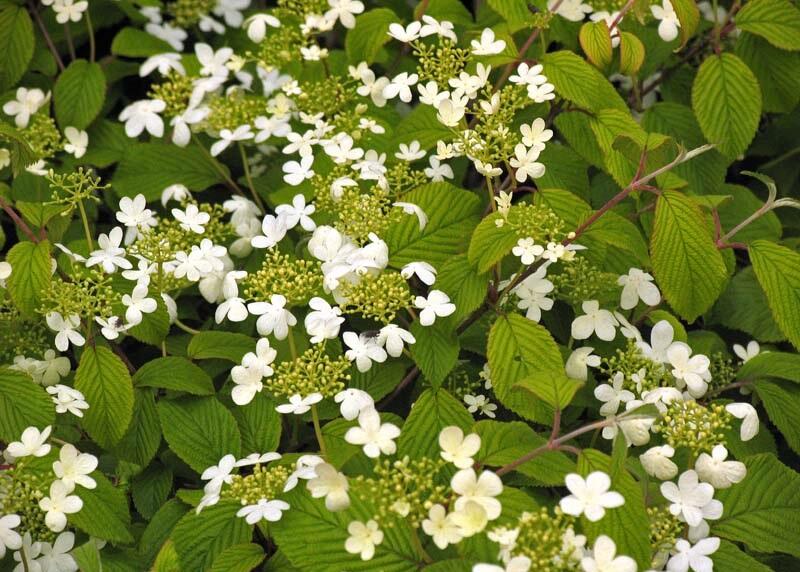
column 340, row 285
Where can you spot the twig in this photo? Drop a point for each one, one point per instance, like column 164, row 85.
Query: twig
column 21, row 224
column 48, row 40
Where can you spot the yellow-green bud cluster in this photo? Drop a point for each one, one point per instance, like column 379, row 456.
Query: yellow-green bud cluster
column 20, row 492
column 70, row 188
column 459, row 383
column 496, row 140
column 321, row 183
column 88, row 293
column 361, row 213
column 541, row 538
column 231, row 111
column 403, row 489
column 175, row 91
column 327, row 95
column 295, row 278
column 538, row 222
column 42, row 135
column 629, row 360
column 721, row 369
column 440, row 61
column 281, row 46
column 665, row 529
column 262, row 483
column 694, row 426
column 378, row 297
column 188, row 12
column 402, row 178
column 612, row 6
column 22, row 337
column 302, row 8
column 312, row 372
column 578, row 279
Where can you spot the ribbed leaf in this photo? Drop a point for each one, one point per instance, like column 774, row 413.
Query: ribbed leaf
column 490, row 243
column 23, row 403
column 200, row 538
column 578, row 82
column 135, row 43
column 365, row 41
column 743, row 306
column 778, row 72
column 239, row 558
column 79, row 94
column 105, row 511
column 259, row 424
column 466, row 288
column 595, row 40
column 782, row 401
column 778, row 21
column 151, row 488
column 176, row 373
column 141, row 440
column 772, row 364
column 436, row 349
column 729, row 558
column 631, row 53
column 16, row 43
column 30, row 276
column 223, row 345
column 778, row 271
column 432, row 412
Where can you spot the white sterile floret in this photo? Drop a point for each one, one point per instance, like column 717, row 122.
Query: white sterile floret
column 638, row 285
column 668, row 21
column 400, row 86
column 344, row 11
column 192, row 218
column 480, row 403
column 657, row 461
column 74, row 467
column 480, row 489
column 27, row 102
column 227, row 137
column 613, row 394
column 77, row 142
column 691, row 371
column 747, row 353
column 487, row 45
column 58, row 505
column 422, row 270
column 527, row 250
column 299, row 404
column 376, row 438
column 438, row 171
column 457, row 448
column 31, row 443
column 515, row 564
column 536, row 134
column 323, row 322
column 594, row 321
column 297, row 213
column 717, row 471
column 353, row 401
column 470, row 518
column 450, row 112
column 164, row 63
column 603, row 558
column 135, row 216
column 441, row 527
column 412, row 209
column 405, row 34
column 410, row 152
column 274, row 318
column 363, row 349
column 297, row 172
column 686, row 556
column 392, row 337
column 219, row 474
column 110, row 255
column 269, row 510
column 66, row 330
column 661, row 337
column 363, row 538
column 247, row 382
column 437, row 304
column 572, row 10
column 137, row 303
column 532, row 293
column 331, row 485
column 590, row 496
column 749, row 416
column 525, row 163
column 579, row 361
column 143, row 115
column 691, row 501
column 68, row 400
column 257, row 459
column 9, row 538
column 431, row 26
column 274, row 229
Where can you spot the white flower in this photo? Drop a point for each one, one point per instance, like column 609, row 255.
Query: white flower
column 299, row 404
column 269, row 510
column 110, row 254
column 450, row 112
column 685, row 556
column 524, row 161
column 66, row 330
column 67, row 399
column 363, row 350
column 668, row 20
column 541, row 93
column 77, row 142
column 27, row 102
column 471, row 518
column 693, row 371
column 134, row 214
column 746, row 354
column 604, row 558
column 69, row 10
column 691, row 500
column 572, row 10
column 479, row 489
column 436, row 304
column 661, row 337
column 516, row 564
column 400, row 86
column 324, row 321
column 590, row 496
column 274, row 318
column 257, row 26
column 353, row 401
column 527, row 251
column 164, row 63
column 5, row 272
column 458, row 449
column 373, row 87
column 412, row 209
column 749, row 416
column 374, row 436
column 192, row 218
column 363, row 538
column 344, row 11
column 248, row 382
column 143, row 114
column 438, row 171
column 9, row 538
column 218, row 474
column 297, row 212
column 638, row 285
column 172, row 35
column 226, row 137
column 424, row 271
column 53, row 367
column 57, row 557
column 532, row 293
column 175, row 192
column 296, row 172
column 577, row 362
column 32, row 442
column 535, row 135
column 138, row 303
column 528, row 75
column 74, row 467
column 332, row 485
column 273, row 229
column 392, row 337
column 410, row 152
column 487, row 46
column 407, row 34
column 213, row 62
column 112, row 327
column 432, row 26
column 58, row 505
column 441, row 527
column 233, row 309
column 714, row 469
column 657, row 461
column 597, row 321
column 480, row 403
column 613, row 394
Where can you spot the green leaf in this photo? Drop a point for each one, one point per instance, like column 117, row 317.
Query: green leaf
column 79, row 94
column 502, row 443
column 159, row 528
column 436, row 350
column 689, row 17
column 466, row 288
column 22, row 403
column 364, row 42
column 154, row 326
column 743, row 306
column 515, row 12
column 519, row 348
column 239, row 558
column 778, row 72
column 200, row 430
column 141, row 441
column 433, row 411
column 777, row 21
column 580, row 83
column 380, row 379
column 151, row 488
column 490, row 243
column 771, row 364
column 782, row 401
column 631, row 53
column 595, row 40
column 259, row 424
column 628, row 525
column 87, row 556
column 763, row 511
column 21, row 153
column 556, row 390
column 188, row 166
column 30, row 276
column 744, row 202
column 200, row 538
column 104, row 380
column 16, row 43
column 135, row 43
column 778, row 271
column 105, row 512
column 176, row 373
column 726, row 99
column 729, row 558
column 222, row 345
column 452, row 214
column 688, row 267
column 421, row 125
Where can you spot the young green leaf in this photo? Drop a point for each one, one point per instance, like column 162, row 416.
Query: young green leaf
column 778, row 271
column 78, row 94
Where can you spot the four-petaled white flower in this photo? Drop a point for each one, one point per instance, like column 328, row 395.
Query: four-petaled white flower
column 424, row 271
column 437, row 304
column 110, row 254
column 374, row 437
column 527, row 250
column 441, row 527
column 482, row 490
column 525, row 163
column 668, row 20
column 487, row 45
column 58, row 505
column 353, row 401
column 56, row 557
column 332, row 485
column 579, row 361
column 274, row 318
column 296, row 172
column 536, row 134
column 480, row 403
column 219, row 474
column 363, row 539
column 393, row 337
column 590, row 496
column 612, row 394
column 323, row 322
column 344, row 11
column 299, row 404
column 269, row 510
column 691, row 501
column 66, row 330
column 407, row 34
column 227, row 137
column 9, row 538
column 594, row 321
column 257, row 26
column 458, row 449
column 717, row 471
column 31, row 443
column 247, row 382
column 638, row 285
column 69, row 10
column 74, row 467
column 400, row 86
column 693, row 371
column 695, row 557
column 68, row 400
column 747, row 353
column 27, row 102
column 297, row 213
column 143, row 115
column 657, row 461
column 77, row 142
column 135, row 216
column 192, row 218
column 604, row 558
column 364, row 350
column 137, row 303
